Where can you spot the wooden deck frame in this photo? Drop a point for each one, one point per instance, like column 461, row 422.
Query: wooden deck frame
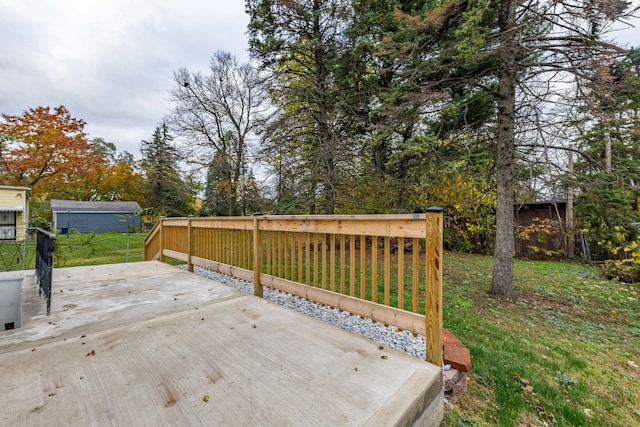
column 291, row 253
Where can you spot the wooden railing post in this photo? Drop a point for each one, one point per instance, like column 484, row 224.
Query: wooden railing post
column 433, row 306
column 257, row 256
column 189, row 245
column 161, row 240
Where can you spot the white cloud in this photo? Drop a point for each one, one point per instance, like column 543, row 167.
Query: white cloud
column 110, row 63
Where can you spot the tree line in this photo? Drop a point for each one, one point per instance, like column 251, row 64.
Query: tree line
column 384, row 106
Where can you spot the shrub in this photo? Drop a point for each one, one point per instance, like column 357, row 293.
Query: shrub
column 626, row 269
column 540, row 233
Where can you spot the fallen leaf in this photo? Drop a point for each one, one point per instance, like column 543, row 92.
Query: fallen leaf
column 91, row 353
column 527, row 390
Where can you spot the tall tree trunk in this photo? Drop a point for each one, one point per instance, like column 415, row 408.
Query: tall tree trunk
column 502, row 281
column 403, row 177
column 329, row 186
column 230, row 191
column 327, row 150
column 312, row 197
column 607, row 152
column 570, row 231
column 380, row 158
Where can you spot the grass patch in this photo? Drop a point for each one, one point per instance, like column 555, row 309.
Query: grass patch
column 95, row 249
column 564, row 351
column 75, row 250
column 17, row 255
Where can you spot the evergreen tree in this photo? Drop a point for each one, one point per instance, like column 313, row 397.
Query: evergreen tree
column 607, row 174
column 298, row 44
column 505, row 47
column 250, row 199
column 475, row 65
column 217, row 189
column 408, row 100
column 218, row 193
column 168, row 194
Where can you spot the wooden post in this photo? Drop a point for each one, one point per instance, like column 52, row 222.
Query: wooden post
column 189, row 245
column 161, row 240
column 257, row 256
column 433, row 304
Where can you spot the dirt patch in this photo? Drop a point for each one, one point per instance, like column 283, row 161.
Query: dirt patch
column 572, row 309
column 535, row 300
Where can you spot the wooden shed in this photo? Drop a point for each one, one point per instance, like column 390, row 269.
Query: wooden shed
column 94, row 217
column 552, row 213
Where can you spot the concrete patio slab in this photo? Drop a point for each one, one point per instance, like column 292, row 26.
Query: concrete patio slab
column 148, row 344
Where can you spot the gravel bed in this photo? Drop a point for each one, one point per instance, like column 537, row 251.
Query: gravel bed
column 388, row 336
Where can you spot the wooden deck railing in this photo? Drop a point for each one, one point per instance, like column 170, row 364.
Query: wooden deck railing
column 385, row 267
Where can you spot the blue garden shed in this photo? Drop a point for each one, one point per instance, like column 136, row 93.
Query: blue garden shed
column 94, row 217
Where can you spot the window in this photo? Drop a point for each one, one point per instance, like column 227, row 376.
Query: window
column 8, row 223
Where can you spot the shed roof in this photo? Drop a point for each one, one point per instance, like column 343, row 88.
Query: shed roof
column 78, row 206
column 541, row 204
column 13, row 187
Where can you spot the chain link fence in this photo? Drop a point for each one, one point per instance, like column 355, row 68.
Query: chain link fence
column 19, row 254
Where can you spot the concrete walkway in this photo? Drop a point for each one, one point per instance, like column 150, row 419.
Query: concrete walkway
column 148, row 344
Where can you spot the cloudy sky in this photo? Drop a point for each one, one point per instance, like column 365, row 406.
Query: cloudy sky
column 111, row 62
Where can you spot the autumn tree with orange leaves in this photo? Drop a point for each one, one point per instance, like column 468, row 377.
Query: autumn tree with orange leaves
column 47, row 150
column 44, row 149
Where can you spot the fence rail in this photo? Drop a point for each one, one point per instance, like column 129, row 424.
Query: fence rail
column 385, row 267
column 45, row 248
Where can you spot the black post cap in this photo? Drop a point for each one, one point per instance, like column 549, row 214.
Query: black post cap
column 435, row 209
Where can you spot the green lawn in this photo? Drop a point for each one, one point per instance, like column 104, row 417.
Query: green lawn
column 75, row 249
column 94, row 249
column 565, row 351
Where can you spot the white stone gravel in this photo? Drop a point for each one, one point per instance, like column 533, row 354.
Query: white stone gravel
column 388, row 336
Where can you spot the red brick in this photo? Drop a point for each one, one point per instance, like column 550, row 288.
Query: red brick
column 458, row 356
column 455, row 353
column 449, row 338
